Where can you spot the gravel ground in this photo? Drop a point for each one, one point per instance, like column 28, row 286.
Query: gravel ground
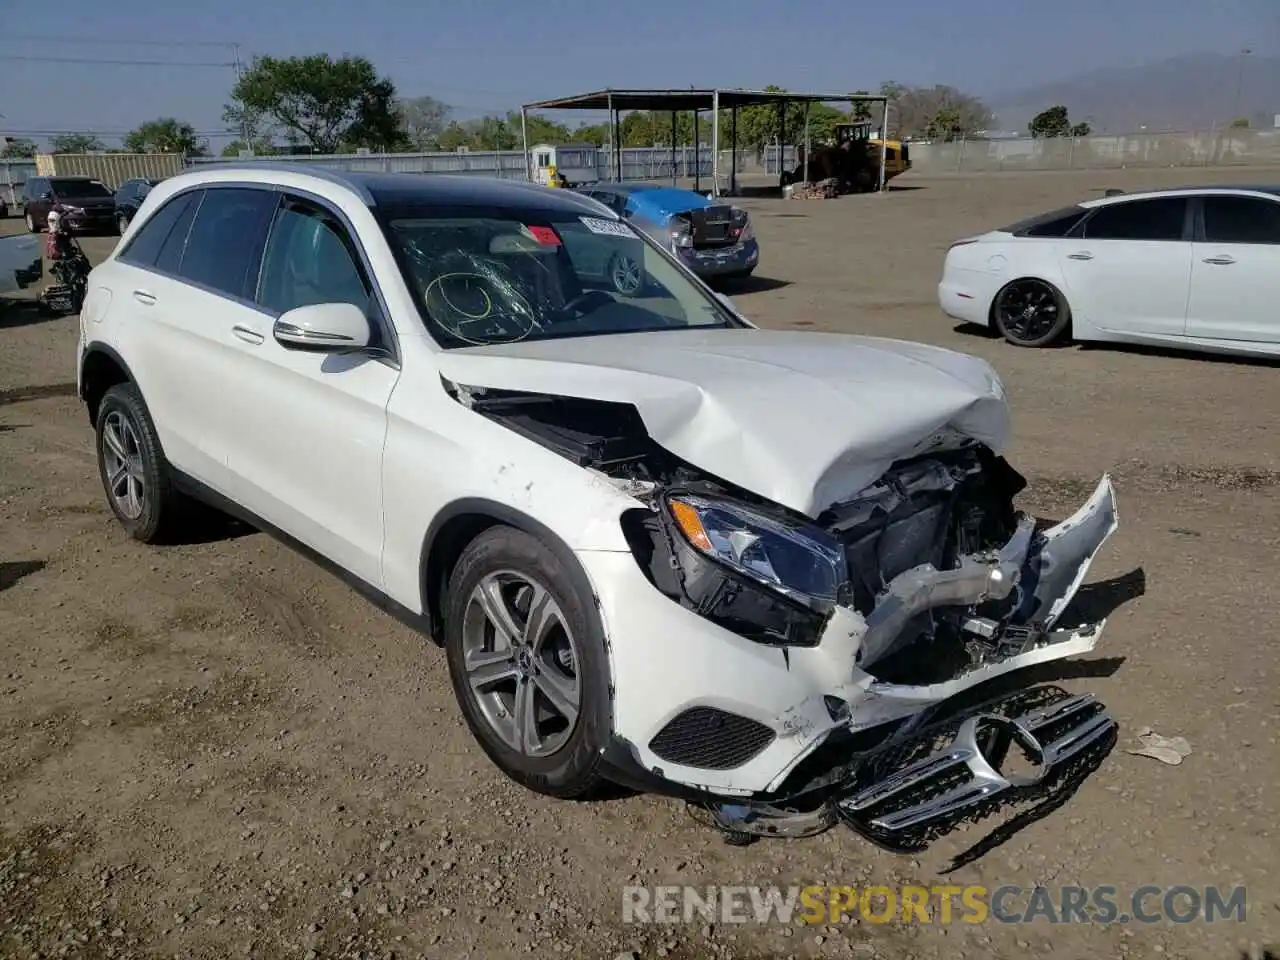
column 218, row 750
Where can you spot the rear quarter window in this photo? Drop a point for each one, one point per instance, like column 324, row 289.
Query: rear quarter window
column 1055, row 223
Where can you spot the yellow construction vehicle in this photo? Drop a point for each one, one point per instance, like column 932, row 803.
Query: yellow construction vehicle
column 897, row 158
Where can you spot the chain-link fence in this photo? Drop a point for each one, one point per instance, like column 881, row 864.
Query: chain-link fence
column 638, row 163
column 1223, row 147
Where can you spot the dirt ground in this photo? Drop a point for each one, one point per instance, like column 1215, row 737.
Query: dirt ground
column 218, row 750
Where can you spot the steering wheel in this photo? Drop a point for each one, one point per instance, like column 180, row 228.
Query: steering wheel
column 584, row 303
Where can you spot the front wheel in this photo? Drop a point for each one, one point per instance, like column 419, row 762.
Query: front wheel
column 527, row 663
column 1031, row 313
column 122, row 223
column 135, row 474
column 31, row 224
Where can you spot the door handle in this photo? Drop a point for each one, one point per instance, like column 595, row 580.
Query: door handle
column 1082, row 255
column 247, row 334
column 1220, row 261
column 143, row 296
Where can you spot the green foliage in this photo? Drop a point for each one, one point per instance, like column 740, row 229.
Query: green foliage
column 76, row 143
column 322, row 103
column 1052, row 122
column 164, row 135
column 18, row 149
column 1240, row 123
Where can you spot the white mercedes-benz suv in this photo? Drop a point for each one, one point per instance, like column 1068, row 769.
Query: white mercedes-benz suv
column 660, row 546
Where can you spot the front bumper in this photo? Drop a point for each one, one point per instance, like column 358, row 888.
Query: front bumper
column 92, row 220
column 747, row 715
column 721, row 262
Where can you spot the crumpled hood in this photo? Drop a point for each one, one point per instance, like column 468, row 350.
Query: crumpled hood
column 806, row 420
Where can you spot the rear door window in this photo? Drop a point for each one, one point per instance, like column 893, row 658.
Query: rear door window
column 224, row 246
column 153, row 236
column 1162, row 218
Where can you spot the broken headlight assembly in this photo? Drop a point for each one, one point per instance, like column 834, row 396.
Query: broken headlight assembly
column 760, row 576
column 805, row 565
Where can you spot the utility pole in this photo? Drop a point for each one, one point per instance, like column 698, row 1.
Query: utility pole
column 244, row 118
column 1244, row 52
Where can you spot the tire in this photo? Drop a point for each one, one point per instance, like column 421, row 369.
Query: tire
column 122, row 224
column 509, row 567
column 1031, row 313
column 143, row 499
column 31, row 224
column 626, row 275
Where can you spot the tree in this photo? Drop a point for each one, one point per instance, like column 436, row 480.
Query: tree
column 938, row 112
column 76, row 143
column 164, row 135
column 424, row 120
column 18, row 149
column 1054, row 122
column 319, row 102
column 1240, row 123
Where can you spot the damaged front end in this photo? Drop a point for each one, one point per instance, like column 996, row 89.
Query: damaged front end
column 889, row 606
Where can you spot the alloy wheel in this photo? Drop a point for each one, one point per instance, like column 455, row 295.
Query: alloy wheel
column 1027, row 310
column 627, row 276
column 520, row 658
column 122, row 458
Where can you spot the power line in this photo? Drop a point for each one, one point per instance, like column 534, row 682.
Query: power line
column 118, row 63
column 119, row 43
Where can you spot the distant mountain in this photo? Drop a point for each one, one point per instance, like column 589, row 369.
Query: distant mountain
column 1191, row 92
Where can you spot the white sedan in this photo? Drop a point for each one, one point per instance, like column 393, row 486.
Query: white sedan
column 1197, row 269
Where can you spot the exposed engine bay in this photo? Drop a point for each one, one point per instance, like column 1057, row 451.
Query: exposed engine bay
column 917, row 555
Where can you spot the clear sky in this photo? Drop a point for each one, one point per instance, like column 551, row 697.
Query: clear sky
column 490, row 55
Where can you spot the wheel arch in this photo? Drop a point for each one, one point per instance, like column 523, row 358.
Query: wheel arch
column 1040, row 277
column 101, row 369
column 459, row 523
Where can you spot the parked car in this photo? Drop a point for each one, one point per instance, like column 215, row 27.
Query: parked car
column 89, row 205
column 1195, row 268
column 658, row 545
column 21, row 263
column 128, row 199
column 711, row 239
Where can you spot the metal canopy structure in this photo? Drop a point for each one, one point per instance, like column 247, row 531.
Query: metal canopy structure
column 674, row 101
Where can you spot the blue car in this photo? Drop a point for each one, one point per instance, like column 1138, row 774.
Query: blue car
column 711, row 239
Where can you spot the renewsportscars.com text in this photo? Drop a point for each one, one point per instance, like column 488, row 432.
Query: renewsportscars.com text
column 936, row 904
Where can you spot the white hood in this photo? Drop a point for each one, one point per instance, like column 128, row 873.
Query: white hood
column 804, row 419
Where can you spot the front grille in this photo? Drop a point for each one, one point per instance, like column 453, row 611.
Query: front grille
column 710, row 739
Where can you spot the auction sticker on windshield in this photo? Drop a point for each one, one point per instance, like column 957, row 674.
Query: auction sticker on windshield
column 608, row 228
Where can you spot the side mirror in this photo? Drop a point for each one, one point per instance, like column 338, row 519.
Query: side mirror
column 323, row 328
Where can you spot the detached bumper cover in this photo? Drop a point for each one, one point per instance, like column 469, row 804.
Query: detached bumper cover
column 719, row 262
column 929, row 778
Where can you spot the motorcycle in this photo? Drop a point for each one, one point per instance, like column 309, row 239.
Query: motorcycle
column 70, row 272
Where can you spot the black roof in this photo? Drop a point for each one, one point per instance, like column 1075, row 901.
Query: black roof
column 443, row 189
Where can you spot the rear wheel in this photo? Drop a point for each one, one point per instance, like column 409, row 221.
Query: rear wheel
column 1031, row 313
column 626, row 274
column 527, row 663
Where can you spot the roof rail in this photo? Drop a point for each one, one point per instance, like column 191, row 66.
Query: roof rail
column 340, row 177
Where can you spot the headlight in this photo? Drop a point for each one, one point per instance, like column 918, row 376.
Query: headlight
column 681, row 234
column 802, row 563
